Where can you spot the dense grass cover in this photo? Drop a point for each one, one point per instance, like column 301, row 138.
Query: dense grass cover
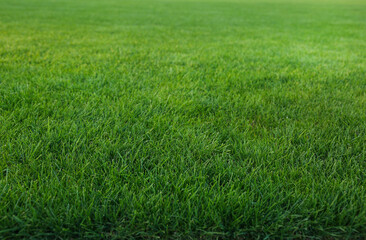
column 182, row 119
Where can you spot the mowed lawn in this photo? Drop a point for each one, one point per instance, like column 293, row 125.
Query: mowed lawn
column 182, row 119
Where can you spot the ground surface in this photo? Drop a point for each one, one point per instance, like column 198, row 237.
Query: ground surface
column 180, row 119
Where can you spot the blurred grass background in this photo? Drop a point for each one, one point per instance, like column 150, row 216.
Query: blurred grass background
column 182, row 119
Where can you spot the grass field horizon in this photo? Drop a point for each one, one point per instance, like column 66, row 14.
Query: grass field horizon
column 174, row 119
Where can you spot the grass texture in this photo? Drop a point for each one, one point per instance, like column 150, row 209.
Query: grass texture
column 173, row 119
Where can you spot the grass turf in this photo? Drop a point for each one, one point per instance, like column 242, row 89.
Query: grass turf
column 182, row 119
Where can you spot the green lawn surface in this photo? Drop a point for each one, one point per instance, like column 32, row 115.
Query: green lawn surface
column 183, row 119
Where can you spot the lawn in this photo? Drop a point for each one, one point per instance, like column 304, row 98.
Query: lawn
column 182, row 119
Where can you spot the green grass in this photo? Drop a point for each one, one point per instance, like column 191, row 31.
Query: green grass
column 182, row 119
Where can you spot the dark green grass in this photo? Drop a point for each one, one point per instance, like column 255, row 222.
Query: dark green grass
column 182, row 119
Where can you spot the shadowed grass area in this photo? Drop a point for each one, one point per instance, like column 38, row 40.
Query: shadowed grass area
column 182, row 119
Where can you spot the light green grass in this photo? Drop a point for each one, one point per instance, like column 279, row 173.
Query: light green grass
column 182, row 119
